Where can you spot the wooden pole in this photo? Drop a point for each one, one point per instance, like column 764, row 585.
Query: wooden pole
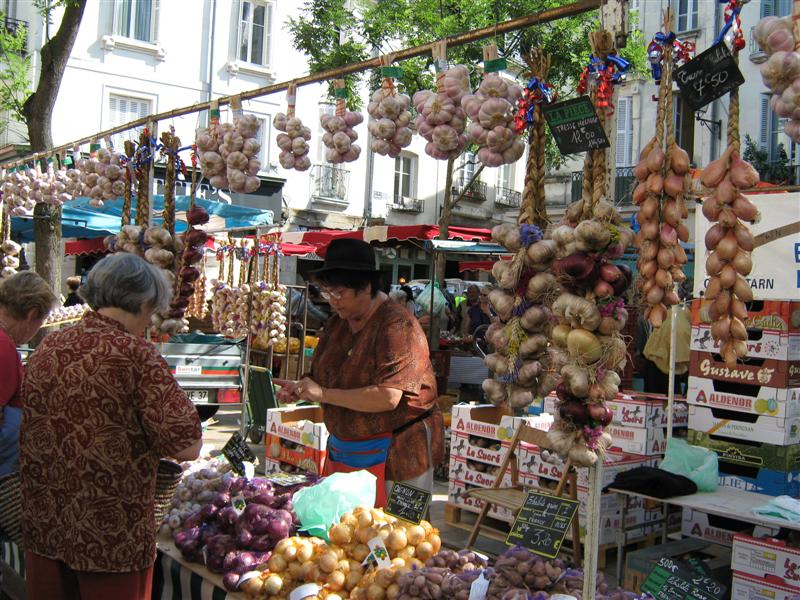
column 545, row 16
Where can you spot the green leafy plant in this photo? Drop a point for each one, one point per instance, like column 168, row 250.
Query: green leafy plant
column 777, row 171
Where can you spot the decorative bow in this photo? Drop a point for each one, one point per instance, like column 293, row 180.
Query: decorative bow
column 535, row 93
column 604, row 74
column 530, row 234
column 681, row 52
column 731, row 31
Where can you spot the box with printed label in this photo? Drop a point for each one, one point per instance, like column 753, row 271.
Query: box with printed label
column 272, row 465
column 456, row 495
column 474, row 447
column 302, row 425
column 749, row 587
column 747, row 453
column 635, row 440
column 746, row 426
column 746, row 398
column 762, row 343
column 767, row 559
column 777, row 315
column 608, row 535
column 755, row 372
column 477, row 473
column 294, row 453
column 638, row 410
column 762, row 481
column 714, row 528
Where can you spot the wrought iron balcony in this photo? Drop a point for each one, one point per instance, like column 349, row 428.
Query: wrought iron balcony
column 476, row 191
column 405, row 204
column 623, row 185
column 329, row 183
column 507, row 197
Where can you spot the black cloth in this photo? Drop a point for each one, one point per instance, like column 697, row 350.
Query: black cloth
column 72, row 299
column 654, row 482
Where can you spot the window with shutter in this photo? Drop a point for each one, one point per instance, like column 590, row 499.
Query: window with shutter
column 255, row 32
column 624, row 142
column 404, row 172
column 505, row 176
column 687, row 14
column 122, row 110
column 683, row 116
column 763, row 132
column 135, row 19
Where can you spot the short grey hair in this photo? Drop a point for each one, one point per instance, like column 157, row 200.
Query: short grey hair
column 128, row 282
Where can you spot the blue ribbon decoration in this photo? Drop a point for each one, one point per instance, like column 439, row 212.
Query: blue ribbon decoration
column 728, row 23
column 530, row 234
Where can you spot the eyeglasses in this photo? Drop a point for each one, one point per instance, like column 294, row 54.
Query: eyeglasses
column 331, row 294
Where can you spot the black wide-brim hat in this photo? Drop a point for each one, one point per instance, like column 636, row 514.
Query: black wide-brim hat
column 348, row 254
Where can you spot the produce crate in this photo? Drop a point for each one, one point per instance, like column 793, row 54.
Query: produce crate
column 745, row 426
column 749, row 587
column 767, row 559
column 296, row 436
column 751, row 398
column 750, row 453
column 717, row 529
column 777, row 315
column 761, row 343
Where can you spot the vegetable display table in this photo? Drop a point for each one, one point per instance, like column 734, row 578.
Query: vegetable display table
column 177, row 579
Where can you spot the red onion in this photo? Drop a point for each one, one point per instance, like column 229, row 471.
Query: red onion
column 189, row 274
column 603, row 289
column 191, row 255
column 197, row 215
column 196, row 237
column 609, row 272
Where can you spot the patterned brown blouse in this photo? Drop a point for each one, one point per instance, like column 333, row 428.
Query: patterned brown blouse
column 390, row 351
column 101, row 408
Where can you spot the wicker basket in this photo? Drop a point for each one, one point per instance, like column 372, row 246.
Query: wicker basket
column 11, row 507
column 167, row 479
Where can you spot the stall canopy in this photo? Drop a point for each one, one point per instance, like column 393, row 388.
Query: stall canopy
column 467, row 252
column 81, row 220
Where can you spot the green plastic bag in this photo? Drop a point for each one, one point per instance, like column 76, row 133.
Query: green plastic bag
column 698, row 464
column 322, row 505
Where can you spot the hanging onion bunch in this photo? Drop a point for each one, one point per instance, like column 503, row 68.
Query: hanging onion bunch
column 100, row 177
column 661, row 198
column 491, row 110
column 441, row 119
column 228, row 153
column 194, row 241
column 522, row 366
column 390, row 119
column 781, row 71
column 339, row 136
column 10, row 260
column 729, row 242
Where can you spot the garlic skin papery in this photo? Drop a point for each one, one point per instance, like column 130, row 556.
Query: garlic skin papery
column 781, row 71
column 228, row 154
column 229, row 310
column 441, row 119
column 23, row 189
column 100, row 177
column 339, row 136
column 293, row 142
column 491, row 110
column 390, row 120
column 10, row 260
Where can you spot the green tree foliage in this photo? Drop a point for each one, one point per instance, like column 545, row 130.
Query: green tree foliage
column 777, row 171
column 15, row 84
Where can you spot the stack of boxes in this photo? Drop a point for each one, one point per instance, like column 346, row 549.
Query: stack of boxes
column 639, row 432
column 764, row 569
column 749, row 414
column 296, row 440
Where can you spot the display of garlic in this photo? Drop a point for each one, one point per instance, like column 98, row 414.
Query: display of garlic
column 100, row 177
column 66, row 313
column 339, row 136
column 24, row 188
column 228, row 153
column 10, row 260
column 781, row 71
column 441, row 119
column 230, row 308
column 390, row 120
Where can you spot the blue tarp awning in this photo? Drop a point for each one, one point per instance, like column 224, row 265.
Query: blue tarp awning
column 81, row 220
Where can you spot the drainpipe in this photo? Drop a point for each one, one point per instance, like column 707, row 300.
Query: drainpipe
column 211, row 54
column 714, row 149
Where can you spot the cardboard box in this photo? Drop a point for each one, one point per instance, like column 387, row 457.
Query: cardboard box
column 272, row 465
column 762, row 481
column 647, row 441
column 456, row 495
column 744, row 426
column 745, row 398
column 467, row 446
column 748, row 587
column 608, row 536
column 638, row 410
column 716, row 529
column 306, row 457
column 302, row 425
column 762, row 343
column 777, row 315
column 753, row 454
column 756, row 372
column 465, row 470
column 767, row 559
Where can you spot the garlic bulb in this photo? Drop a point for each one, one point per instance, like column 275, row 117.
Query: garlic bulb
column 781, row 71
column 441, row 119
column 23, row 189
column 230, row 307
column 10, row 262
column 293, row 142
column 390, row 119
column 100, row 177
column 228, row 154
column 339, row 136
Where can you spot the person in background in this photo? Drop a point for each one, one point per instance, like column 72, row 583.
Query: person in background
column 472, row 298
column 411, row 305
column 100, row 409
column 482, row 312
column 73, row 298
column 25, row 300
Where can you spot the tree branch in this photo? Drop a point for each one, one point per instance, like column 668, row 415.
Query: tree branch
column 463, row 193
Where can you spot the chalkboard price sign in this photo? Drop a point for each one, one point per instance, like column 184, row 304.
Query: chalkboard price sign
column 708, row 76
column 575, row 126
column 542, row 523
column 673, row 579
column 237, row 452
column 407, row 502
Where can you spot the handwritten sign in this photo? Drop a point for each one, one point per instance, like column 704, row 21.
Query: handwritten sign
column 542, row 523
column 407, row 502
column 673, row 579
column 708, row 76
column 575, row 126
column 238, row 452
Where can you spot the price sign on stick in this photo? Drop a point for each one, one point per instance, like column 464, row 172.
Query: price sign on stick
column 575, row 126
column 673, row 579
column 542, row 523
column 708, row 76
column 407, row 502
column 238, row 452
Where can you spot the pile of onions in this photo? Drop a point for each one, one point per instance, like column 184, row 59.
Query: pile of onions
column 229, row 154
column 660, row 196
column 197, row 487
column 66, row 313
column 517, row 568
column 293, row 141
column 229, row 310
column 729, row 242
column 781, row 72
column 10, row 260
column 100, row 177
column 491, row 110
column 588, row 349
column 390, row 119
column 441, row 119
column 339, row 136
column 194, row 241
column 522, row 366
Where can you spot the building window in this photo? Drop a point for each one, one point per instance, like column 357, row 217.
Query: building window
column 405, row 173
column 135, row 19
column 467, row 168
column 684, row 126
column 624, row 131
column 770, row 130
column 255, row 32
column 687, row 14
column 777, row 8
column 505, row 176
column 122, row 110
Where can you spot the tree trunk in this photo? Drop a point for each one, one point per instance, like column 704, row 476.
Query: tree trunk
column 438, row 272
column 38, row 111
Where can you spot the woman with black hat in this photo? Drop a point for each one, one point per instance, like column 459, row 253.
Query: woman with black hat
column 373, row 376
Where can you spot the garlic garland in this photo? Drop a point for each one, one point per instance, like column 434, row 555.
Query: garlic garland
column 66, row 313
column 230, row 306
column 10, row 260
column 441, row 119
column 100, row 177
column 390, row 119
column 339, row 136
column 228, row 154
column 293, row 142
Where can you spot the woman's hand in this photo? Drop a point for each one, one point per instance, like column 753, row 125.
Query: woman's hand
column 308, row 389
column 288, row 392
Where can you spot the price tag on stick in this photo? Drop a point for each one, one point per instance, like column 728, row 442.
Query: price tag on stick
column 542, row 523
column 575, row 125
column 708, row 76
column 238, row 452
column 407, row 502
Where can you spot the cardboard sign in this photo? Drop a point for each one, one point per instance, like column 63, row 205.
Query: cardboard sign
column 407, row 502
column 542, row 523
column 238, row 452
column 673, row 579
column 708, row 76
column 575, row 126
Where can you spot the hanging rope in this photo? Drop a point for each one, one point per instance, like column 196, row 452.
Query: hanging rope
column 171, row 143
